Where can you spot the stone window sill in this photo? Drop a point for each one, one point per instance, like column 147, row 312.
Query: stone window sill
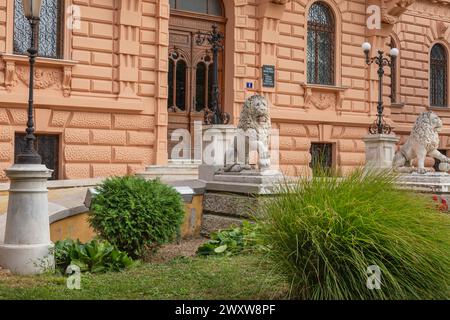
column 436, row 108
column 397, row 105
column 12, row 60
column 39, row 60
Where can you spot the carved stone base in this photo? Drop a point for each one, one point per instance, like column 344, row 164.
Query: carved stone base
column 232, row 197
column 380, row 150
column 431, row 182
column 246, row 182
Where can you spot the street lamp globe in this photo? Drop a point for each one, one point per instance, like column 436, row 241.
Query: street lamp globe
column 366, row 46
column 32, row 8
column 394, row 52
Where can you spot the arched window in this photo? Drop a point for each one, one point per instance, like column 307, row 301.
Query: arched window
column 177, row 81
column 203, row 89
column 321, row 44
column 211, row 7
column 393, row 75
column 438, row 77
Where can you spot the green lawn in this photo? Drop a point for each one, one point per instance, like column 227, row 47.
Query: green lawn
column 240, row 277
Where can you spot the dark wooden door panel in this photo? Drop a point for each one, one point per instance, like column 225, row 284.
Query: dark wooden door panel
column 190, row 72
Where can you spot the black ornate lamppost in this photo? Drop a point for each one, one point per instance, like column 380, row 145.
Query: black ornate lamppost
column 32, row 10
column 215, row 39
column 380, row 126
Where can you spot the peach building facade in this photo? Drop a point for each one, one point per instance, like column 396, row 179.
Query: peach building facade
column 109, row 99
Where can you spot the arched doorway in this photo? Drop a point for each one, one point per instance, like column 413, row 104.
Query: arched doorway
column 191, row 65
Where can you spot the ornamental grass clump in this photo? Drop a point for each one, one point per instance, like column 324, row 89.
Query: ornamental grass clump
column 136, row 215
column 323, row 234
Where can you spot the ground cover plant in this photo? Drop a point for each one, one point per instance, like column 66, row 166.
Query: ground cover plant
column 234, row 240
column 323, row 233
column 136, row 215
column 94, row 256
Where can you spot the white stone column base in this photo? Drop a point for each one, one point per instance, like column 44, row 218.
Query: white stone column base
column 380, row 150
column 27, row 244
column 27, row 259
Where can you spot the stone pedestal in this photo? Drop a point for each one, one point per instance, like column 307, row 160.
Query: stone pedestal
column 27, row 246
column 246, row 182
column 217, row 140
column 233, row 196
column 380, row 150
column 437, row 183
column 431, row 182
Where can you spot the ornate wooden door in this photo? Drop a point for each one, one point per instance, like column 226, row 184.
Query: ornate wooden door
column 190, row 72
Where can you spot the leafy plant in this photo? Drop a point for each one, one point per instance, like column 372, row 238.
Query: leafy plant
column 94, row 256
column 135, row 214
column 323, row 233
column 231, row 241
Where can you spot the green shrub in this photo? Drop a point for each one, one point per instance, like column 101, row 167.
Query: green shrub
column 323, row 233
column 94, row 256
column 134, row 214
column 231, row 241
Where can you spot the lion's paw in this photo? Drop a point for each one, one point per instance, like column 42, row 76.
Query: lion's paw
column 423, row 170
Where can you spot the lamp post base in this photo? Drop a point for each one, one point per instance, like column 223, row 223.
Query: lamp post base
column 27, row 245
column 28, row 259
column 29, row 158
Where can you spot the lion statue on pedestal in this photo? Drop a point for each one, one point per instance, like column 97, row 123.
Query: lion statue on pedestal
column 254, row 126
column 423, row 142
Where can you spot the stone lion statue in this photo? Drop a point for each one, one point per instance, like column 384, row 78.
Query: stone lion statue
column 254, row 126
column 422, row 142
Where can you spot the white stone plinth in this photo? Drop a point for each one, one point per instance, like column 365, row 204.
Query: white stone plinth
column 246, row 182
column 380, row 150
column 217, row 141
column 431, row 182
column 27, row 246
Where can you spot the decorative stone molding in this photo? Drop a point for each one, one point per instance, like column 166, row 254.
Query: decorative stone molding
column 161, row 91
column 270, row 13
column 10, row 75
column 67, row 81
column 441, row 28
column 128, row 25
column 436, row 8
column 323, row 97
column 43, row 78
column 392, row 9
column 49, row 72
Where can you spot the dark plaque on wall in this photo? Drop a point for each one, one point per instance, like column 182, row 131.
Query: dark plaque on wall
column 268, row 76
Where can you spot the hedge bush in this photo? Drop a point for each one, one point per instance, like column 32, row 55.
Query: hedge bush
column 135, row 215
column 323, row 233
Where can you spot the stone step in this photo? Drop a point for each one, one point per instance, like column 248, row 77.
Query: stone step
column 243, row 178
column 167, row 177
column 171, row 169
column 242, row 188
column 174, row 171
